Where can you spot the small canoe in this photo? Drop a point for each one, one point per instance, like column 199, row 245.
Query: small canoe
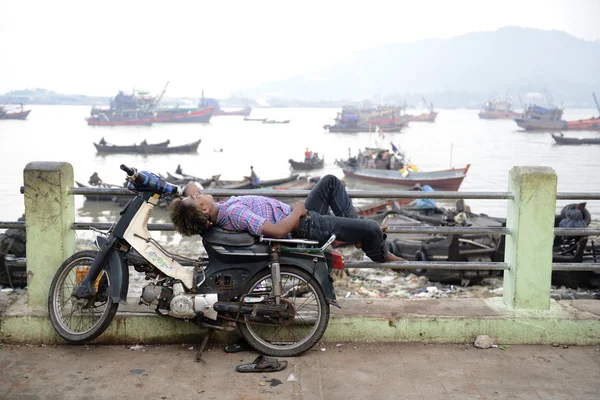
column 559, row 139
column 184, row 148
column 14, row 115
column 307, row 165
column 134, row 148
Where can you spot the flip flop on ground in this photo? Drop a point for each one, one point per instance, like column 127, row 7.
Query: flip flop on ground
column 262, row 364
column 237, row 347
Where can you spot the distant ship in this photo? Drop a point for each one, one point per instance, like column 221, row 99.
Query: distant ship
column 497, row 109
column 540, row 118
column 8, row 113
column 136, row 108
column 200, row 114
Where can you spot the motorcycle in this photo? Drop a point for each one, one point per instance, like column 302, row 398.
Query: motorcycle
column 276, row 291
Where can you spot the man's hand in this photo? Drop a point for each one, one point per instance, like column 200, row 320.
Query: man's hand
column 301, row 207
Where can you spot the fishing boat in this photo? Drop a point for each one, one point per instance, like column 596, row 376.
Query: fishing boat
column 496, row 109
column 104, row 147
column 425, row 117
column 8, row 113
column 561, row 139
column 540, row 118
column 590, row 124
column 313, row 163
column 377, row 165
column 145, row 148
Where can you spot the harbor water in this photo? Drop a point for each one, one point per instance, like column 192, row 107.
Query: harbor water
column 231, row 145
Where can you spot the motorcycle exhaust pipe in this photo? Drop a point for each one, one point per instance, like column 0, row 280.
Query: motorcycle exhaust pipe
column 254, row 309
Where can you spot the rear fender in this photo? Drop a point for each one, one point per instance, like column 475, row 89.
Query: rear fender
column 320, row 271
column 118, row 274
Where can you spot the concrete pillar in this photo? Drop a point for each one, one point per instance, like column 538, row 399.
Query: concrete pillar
column 530, row 219
column 49, row 213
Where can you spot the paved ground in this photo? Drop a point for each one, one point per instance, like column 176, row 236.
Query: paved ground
column 342, row 371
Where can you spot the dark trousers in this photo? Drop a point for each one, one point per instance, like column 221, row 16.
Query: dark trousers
column 319, row 225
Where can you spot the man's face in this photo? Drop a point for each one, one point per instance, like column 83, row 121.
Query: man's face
column 193, row 195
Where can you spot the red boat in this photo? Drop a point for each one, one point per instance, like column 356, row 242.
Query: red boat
column 428, row 117
column 7, row 114
column 591, row 124
column 183, row 115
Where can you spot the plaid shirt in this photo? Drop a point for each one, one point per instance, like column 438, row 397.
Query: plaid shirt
column 249, row 213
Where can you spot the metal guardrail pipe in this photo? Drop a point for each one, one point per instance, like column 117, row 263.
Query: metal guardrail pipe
column 441, row 265
column 576, row 267
column 104, row 226
column 370, row 194
column 447, row 230
column 12, row 225
column 577, row 231
column 577, row 196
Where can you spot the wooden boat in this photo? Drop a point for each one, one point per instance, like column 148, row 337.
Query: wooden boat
column 560, row 139
column 544, row 119
column 134, row 148
column 184, row 148
column 275, row 182
column 496, row 109
column 182, row 115
column 446, row 180
column 426, row 117
column 98, row 197
column 21, row 114
column 360, row 129
column 182, row 180
column 586, row 124
column 145, row 148
column 255, row 119
column 314, row 163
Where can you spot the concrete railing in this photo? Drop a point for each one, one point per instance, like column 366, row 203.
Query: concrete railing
column 531, row 196
column 525, row 314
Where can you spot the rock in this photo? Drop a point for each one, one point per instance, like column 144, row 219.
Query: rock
column 483, row 342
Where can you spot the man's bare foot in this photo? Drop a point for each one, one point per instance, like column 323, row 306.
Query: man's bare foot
column 384, row 228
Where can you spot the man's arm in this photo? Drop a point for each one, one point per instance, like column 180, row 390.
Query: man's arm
column 286, row 225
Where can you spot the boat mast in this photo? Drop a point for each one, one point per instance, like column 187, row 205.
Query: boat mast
column 159, row 98
column 596, row 101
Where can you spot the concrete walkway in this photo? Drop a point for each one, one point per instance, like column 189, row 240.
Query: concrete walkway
column 340, row 371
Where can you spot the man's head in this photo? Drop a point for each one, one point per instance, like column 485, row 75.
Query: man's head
column 191, row 214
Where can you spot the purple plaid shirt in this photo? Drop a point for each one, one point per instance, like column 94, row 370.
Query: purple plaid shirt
column 249, row 213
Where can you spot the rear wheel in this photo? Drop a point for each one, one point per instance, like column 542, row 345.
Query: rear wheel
column 306, row 319
column 79, row 321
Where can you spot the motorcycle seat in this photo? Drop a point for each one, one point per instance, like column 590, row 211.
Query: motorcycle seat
column 223, row 237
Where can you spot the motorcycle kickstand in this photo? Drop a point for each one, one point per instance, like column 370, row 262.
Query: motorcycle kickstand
column 203, row 345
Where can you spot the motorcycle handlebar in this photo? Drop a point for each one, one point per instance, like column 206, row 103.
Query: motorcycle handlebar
column 150, row 182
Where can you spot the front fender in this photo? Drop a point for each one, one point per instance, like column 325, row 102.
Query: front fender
column 118, row 273
column 320, row 272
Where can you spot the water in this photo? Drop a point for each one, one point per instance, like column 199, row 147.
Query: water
column 458, row 137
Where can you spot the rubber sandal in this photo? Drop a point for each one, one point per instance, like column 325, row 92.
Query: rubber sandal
column 237, row 347
column 262, row 364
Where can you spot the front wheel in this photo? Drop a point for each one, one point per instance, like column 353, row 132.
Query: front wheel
column 79, row 321
column 302, row 328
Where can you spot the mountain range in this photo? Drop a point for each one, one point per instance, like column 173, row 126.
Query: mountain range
column 474, row 66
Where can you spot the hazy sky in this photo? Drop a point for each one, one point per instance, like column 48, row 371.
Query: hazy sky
column 99, row 47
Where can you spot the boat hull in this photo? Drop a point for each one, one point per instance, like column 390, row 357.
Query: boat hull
column 541, row 125
column 183, row 116
column 21, row 115
column 146, row 121
column 498, row 115
column 447, row 180
column 575, row 141
column 592, row 124
column 306, row 166
column 430, row 117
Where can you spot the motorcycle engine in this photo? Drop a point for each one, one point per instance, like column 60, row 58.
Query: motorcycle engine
column 182, row 304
